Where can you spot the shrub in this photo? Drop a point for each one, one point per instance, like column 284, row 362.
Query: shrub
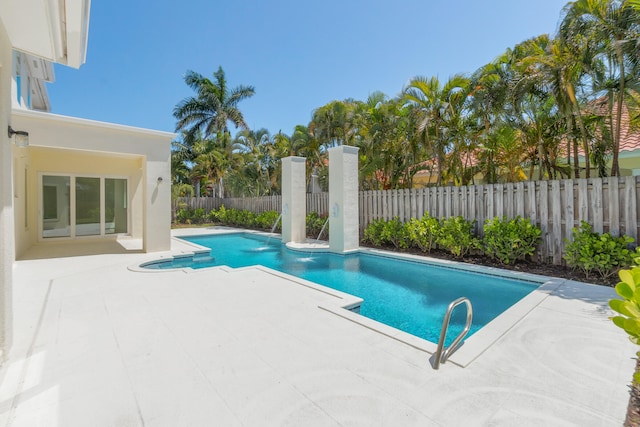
column 373, row 232
column 220, row 215
column 600, row 253
column 395, row 232
column 423, row 233
column 510, row 240
column 245, row 218
column 266, row 220
column 198, row 216
column 457, row 236
column 184, row 215
column 213, row 215
column 315, row 222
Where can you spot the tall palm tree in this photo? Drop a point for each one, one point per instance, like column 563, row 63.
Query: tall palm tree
column 210, row 112
column 438, row 106
column 611, row 29
column 558, row 62
column 213, row 107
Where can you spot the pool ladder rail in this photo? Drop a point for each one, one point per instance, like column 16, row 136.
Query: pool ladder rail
column 442, row 354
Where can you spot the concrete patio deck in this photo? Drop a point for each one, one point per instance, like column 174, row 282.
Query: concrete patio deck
column 99, row 345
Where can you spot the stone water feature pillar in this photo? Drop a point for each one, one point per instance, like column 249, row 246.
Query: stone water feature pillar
column 343, row 199
column 294, row 199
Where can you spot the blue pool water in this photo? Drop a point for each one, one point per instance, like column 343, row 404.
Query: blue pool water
column 407, row 295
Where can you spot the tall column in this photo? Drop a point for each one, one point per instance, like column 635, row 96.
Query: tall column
column 343, row 199
column 7, row 229
column 294, row 200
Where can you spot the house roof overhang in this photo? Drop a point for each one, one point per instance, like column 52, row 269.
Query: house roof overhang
column 56, row 30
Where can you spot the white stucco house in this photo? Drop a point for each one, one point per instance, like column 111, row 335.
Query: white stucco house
column 66, row 179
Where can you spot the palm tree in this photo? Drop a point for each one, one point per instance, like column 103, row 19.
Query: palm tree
column 561, row 70
column 488, row 95
column 509, row 153
column 258, row 152
column 437, row 106
column 304, row 144
column 209, row 112
column 213, row 107
column 332, row 124
column 611, row 30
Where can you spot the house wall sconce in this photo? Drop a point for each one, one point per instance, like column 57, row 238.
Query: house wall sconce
column 159, row 180
column 20, row 137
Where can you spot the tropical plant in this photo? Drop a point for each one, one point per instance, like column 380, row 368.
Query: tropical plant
column 438, row 108
column 208, row 114
column 457, row 236
column 597, row 253
column 609, row 29
column 628, row 318
column 510, row 240
column 395, row 232
column 267, row 221
column 373, row 232
column 213, row 107
column 259, row 162
column 424, row 232
column 315, row 223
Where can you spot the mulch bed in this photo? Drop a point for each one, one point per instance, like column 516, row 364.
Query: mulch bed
column 526, row 266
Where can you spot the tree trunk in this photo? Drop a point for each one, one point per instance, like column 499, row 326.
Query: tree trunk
column 615, row 166
column 633, row 409
column 574, row 144
column 575, row 109
column 540, row 160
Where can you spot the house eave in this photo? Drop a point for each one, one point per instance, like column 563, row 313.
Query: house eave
column 20, row 112
column 57, row 32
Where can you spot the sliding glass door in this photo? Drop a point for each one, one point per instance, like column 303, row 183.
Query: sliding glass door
column 115, row 205
column 56, row 206
column 74, row 206
column 88, row 206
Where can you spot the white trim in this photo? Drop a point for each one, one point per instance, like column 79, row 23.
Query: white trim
column 55, row 30
column 87, row 122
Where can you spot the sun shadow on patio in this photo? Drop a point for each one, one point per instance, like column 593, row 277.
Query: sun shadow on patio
column 48, row 250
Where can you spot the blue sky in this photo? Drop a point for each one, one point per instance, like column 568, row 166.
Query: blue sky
column 299, row 55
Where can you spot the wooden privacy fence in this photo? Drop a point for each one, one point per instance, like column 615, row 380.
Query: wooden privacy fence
column 608, row 204
column 316, row 202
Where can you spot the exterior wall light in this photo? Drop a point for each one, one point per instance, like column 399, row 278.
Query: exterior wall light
column 159, row 180
column 20, row 137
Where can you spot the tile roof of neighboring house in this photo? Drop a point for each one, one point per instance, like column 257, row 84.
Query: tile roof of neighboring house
column 629, row 141
column 427, row 167
column 629, row 138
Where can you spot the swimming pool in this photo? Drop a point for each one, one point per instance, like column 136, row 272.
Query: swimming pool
column 408, row 295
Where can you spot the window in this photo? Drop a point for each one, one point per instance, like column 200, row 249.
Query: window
column 19, row 89
column 75, row 206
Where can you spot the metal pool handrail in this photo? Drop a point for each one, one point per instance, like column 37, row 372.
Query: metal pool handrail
column 442, row 356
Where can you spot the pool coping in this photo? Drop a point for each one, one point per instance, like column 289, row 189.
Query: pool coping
column 471, row 348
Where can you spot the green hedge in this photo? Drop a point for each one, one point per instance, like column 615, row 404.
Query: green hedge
column 505, row 240
column 597, row 253
column 247, row 219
